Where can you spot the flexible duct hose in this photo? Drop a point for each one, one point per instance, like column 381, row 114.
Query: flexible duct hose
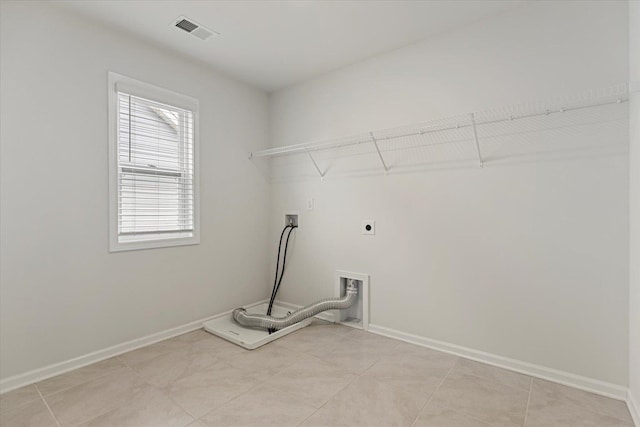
column 241, row 316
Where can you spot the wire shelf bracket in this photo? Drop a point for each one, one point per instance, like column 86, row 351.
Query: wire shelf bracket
column 322, row 174
column 475, row 138
column 375, row 143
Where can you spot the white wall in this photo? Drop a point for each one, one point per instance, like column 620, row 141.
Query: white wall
column 62, row 293
column 527, row 260
column 634, row 193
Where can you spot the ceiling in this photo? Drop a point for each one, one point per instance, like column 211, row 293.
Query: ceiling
column 274, row 44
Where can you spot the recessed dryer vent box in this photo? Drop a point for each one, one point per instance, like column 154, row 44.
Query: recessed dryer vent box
column 357, row 316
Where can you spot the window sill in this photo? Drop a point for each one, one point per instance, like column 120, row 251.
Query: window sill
column 131, row 243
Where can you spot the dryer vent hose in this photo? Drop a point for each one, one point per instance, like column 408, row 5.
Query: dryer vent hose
column 241, row 316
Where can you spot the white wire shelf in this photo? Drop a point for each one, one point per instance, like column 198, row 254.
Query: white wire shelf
column 472, row 130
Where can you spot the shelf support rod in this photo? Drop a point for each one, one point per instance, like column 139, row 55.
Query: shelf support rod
column 315, row 164
column 475, row 137
column 375, row 143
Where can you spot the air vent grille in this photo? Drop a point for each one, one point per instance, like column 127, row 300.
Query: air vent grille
column 193, row 28
column 186, row 25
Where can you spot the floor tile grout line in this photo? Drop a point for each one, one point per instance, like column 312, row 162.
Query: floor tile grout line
column 82, row 383
column 24, row 403
column 164, row 393
column 47, row 405
column 589, row 409
column 123, row 362
column 435, row 391
column 114, row 409
column 151, row 386
column 331, row 397
column 242, row 393
column 466, row 414
column 180, row 406
column 493, row 380
column 265, row 382
column 260, row 383
column 526, row 412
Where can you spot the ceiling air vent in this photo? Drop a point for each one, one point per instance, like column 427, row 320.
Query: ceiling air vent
column 188, row 26
column 194, row 28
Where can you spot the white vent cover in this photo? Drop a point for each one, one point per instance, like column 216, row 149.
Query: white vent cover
column 193, row 28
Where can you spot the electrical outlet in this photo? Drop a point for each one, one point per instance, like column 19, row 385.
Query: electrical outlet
column 310, row 204
column 369, row 227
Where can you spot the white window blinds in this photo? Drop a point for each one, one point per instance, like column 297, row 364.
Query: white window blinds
column 155, row 169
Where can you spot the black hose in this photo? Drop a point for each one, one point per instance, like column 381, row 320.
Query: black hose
column 277, row 282
column 284, row 262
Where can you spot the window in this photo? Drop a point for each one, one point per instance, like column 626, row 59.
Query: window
column 153, row 174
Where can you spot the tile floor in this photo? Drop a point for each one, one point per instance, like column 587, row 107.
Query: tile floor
column 322, row 375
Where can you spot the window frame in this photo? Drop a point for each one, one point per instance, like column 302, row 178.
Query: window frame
column 118, row 82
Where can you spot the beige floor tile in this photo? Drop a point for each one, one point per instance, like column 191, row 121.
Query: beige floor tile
column 32, row 414
column 426, row 368
column 265, row 361
column 193, row 336
column 147, row 408
column 261, row 406
column 149, row 352
column 335, row 328
column 80, row 376
column 615, row 408
column 549, row 410
column 309, row 339
column 487, row 400
column 200, row 375
column 429, row 358
column 89, row 400
column 164, row 370
column 439, row 416
column 364, row 336
column 503, row 376
column 19, row 397
column 210, row 388
column 314, row 381
column 406, row 348
column 367, row 402
column 215, row 346
column 355, row 356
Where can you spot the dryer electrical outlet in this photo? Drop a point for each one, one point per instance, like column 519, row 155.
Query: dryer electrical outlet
column 369, row 227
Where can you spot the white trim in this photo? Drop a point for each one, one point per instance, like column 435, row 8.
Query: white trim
column 36, row 375
column 146, row 90
column 634, row 408
column 603, row 388
column 156, row 93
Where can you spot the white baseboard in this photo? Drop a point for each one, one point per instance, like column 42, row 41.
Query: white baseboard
column 566, row 378
column 21, row 380
column 634, row 408
column 572, row 380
